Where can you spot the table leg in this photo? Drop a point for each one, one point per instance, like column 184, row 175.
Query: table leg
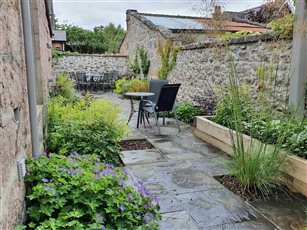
column 139, row 115
column 131, row 111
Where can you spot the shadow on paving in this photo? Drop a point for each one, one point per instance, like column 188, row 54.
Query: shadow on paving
column 180, row 172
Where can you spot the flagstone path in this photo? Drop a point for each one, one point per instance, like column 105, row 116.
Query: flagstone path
column 180, row 170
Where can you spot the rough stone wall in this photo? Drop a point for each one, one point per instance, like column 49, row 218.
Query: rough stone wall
column 15, row 139
column 141, row 34
column 200, row 65
column 91, row 63
column 15, row 136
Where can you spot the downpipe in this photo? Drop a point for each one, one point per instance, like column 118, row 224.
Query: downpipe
column 31, row 78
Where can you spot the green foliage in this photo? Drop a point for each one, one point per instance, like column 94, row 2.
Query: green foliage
column 283, row 26
column 81, row 192
column 86, row 126
column 168, row 56
column 186, row 112
column 240, row 34
column 258, row 165
column 56, row 54
column 101, row 39
column 134, row 66
column 140, row 63
column 144, row 61
column 63, row 87
column 123, row 86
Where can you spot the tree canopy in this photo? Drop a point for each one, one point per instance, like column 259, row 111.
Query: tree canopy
column 102, row 39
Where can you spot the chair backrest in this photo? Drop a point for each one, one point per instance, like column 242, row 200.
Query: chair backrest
column 155, row 87
column 81, row 77
column 167, row 97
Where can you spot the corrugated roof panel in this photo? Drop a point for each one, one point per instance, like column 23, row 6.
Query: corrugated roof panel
column 176, row 23
column 59, row 35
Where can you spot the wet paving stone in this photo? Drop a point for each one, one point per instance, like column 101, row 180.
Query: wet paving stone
column 188, row 180
column 208, row 209
column 177, row 221
column 142, row 156
column 260, row 224
column 169, row 203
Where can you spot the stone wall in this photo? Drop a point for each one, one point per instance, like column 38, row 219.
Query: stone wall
column 15, row 136
column 143, row 33
column 201, row 65
column 91, row 63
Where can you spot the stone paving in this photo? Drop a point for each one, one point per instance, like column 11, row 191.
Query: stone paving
column 180, row 171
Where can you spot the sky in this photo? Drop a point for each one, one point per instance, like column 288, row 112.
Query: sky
column 91, row 13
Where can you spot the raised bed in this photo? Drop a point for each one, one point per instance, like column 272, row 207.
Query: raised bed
column 220, row 137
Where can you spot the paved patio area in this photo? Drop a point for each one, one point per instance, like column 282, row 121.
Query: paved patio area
column 181, row 170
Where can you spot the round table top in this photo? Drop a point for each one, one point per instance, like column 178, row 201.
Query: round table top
column 139, row 94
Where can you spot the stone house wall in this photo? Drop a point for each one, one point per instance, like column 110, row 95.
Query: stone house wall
column 91, row 63
column 143, row 33
column 201, row 65
column 15, row 136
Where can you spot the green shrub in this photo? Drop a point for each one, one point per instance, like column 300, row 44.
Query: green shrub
column 133, row 85
column 229, row 35
column 80, row 192
column 86, row 126
column 63, row 86
column 283, row 26
column 186, row 112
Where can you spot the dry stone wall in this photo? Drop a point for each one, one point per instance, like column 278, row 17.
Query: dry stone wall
column 200, row 66
column 91, row 63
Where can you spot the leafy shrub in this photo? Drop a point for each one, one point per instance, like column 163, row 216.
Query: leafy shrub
column 85, row 126
column 168, row 57
column 63, row 86
column 133, row 85
column 283, row 26
column 229, row 35
column 56, row 54
column 186, row 112
column 80, row 192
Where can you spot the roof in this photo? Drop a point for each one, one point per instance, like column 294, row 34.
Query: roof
column 59, row 35
column 177, row 23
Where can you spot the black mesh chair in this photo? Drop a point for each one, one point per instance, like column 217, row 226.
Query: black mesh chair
column 81, row 81
column 155, row 87
column 165, row 103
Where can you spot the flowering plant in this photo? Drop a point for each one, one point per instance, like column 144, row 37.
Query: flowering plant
column 80, row 192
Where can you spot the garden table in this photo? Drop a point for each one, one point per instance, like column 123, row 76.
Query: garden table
column 141, row 95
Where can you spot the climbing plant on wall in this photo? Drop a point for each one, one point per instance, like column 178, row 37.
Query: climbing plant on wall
column 168, row 55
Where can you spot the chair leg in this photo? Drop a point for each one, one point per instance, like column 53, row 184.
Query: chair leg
column 157, row 123
column 177, row 120
column 163, row 118
column 147, row 115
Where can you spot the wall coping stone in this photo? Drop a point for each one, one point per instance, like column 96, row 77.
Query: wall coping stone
column 236, row 41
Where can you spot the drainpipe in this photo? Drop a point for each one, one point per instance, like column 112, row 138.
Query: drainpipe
column 30, row 67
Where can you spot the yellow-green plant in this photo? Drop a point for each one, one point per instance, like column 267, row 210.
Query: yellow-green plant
column 133, row 85
column 283, row 26
column 226, row 37
column 168, row 56
column 63, row 86
column 87, row 127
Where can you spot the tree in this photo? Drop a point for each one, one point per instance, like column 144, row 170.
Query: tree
column 101, row 39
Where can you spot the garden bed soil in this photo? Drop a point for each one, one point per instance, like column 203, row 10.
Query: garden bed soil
column 278, row 192
column 128, row 145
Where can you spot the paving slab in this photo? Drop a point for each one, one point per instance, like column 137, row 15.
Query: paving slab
column 142, row 156
column 169, row 203
column 177, row 221
column 260, row 224
column 216, row 207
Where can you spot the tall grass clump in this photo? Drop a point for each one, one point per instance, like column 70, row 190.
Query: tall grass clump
column 256, row 165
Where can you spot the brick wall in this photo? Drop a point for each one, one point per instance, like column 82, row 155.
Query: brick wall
column 15, row 137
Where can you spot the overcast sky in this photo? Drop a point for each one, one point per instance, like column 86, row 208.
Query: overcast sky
column 91, row 13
